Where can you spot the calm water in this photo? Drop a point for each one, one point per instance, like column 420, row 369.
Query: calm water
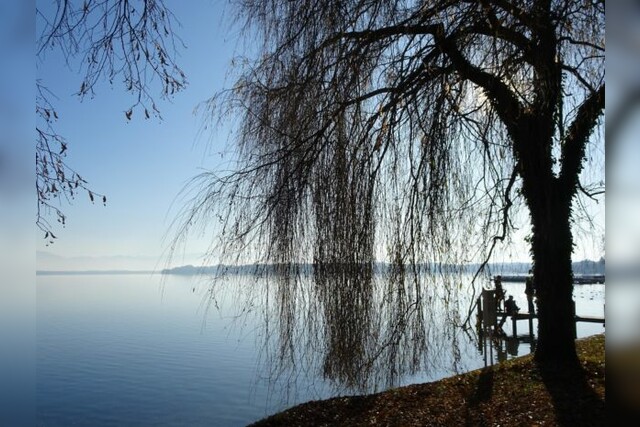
column 124, row 350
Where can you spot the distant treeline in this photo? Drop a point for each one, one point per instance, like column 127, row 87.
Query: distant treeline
column 585, row 267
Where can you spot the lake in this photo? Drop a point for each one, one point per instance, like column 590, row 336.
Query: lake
column 136, row 350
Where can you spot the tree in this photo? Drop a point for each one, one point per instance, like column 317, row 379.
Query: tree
column 411, row 131
column 114, row 39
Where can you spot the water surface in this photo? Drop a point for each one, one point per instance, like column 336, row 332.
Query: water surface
column 126, row 350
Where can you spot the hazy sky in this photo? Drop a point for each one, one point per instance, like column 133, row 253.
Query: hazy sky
column 141, row 165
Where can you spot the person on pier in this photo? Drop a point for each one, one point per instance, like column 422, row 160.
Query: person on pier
column 510, row 307
column 530, row 291
column 499, row 291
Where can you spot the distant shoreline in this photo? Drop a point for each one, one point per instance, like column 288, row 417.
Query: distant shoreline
column 586, row 271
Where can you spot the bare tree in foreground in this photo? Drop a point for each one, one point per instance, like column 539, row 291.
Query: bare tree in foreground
column 128, row 42
column 409, row 131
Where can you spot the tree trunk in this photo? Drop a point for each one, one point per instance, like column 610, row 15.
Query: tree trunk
column 552, row 245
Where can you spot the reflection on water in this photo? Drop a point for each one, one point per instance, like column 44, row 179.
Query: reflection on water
column 365, row 335
column 390, row 330
column 126, row 350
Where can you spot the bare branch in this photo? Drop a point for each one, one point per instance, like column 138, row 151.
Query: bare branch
column 396, row 132
column 591, row 194
column 107, row 38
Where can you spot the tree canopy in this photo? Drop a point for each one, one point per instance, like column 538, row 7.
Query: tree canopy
column 411, row 132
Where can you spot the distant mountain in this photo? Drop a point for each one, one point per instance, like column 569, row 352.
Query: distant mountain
column 48, row 261
column 113, row 264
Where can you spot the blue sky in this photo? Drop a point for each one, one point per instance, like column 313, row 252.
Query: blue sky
column 141, row 165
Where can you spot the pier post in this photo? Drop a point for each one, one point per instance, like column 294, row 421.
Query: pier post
column 575, row 323
column 489, row 315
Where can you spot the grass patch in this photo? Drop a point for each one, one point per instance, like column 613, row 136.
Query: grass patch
column 512, row 393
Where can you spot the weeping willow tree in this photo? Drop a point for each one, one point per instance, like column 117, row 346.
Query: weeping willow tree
column 411, row 132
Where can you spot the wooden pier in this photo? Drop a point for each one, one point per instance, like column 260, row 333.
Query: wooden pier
column 491, row 318
column 578, row 279
column 525, row 316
